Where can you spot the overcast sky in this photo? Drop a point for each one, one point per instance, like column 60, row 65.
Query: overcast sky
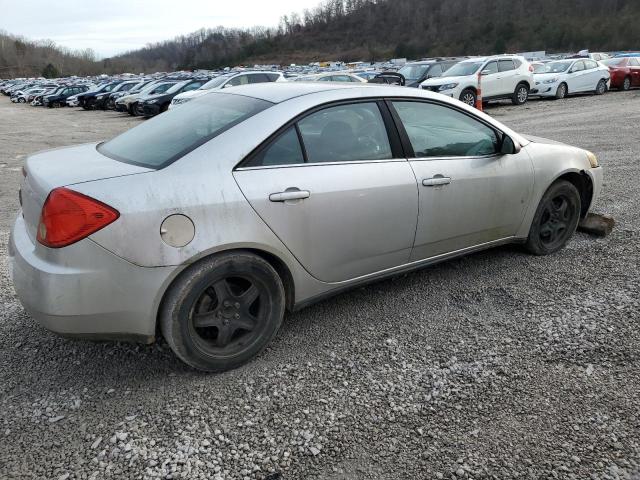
column 115, row 26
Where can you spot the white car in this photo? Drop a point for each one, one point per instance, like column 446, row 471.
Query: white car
column 331, row 77
column 72, row 101
column 503, row 77
column 227, row 80
column 565, row 77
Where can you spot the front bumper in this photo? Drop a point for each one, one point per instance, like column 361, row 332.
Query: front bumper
column 544, row 89
column 84, row 290
column 150, row 110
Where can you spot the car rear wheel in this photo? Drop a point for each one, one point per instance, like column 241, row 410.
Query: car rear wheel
column 601, row 88
column 626, row 85
column 21, row 100
column 561, row 92
column 223, row 311
column 468, row 96
column 556, row 219
column 520, row 94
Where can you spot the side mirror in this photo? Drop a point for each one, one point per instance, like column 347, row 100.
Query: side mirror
column 485, row 72
column 508, row 146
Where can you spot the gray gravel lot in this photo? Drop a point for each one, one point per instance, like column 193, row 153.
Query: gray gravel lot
column 498, row 365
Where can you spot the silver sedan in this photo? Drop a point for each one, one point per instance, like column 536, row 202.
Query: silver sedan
column 209, row 221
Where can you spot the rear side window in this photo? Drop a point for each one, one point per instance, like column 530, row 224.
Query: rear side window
column 164, row 139
column 506, row 65
column 345, row 133
column 439, row 131
column 273, row 77
column 517, row 63
column 285, row 150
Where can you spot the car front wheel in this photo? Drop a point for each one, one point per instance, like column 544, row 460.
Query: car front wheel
column 556, row 219
column 520, row 95
column 223, row 311
column 468, row 96
column 561, row 92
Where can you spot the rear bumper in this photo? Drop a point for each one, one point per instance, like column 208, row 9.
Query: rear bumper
column 84, row 290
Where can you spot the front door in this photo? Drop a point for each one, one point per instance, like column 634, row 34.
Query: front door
column 468, row 193
column 331, row 188
column 490, row 80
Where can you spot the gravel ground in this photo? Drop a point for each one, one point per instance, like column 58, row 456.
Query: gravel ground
column 499, row 365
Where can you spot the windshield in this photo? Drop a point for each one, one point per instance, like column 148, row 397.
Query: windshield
column 556, row 67
column 613, row 62
column 177, row 87
column 463, row 69
column 168, row 137
column 163, row 87
column 214, row 82
column 413, row 72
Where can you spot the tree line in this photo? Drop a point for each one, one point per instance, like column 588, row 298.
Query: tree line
column 364, row 30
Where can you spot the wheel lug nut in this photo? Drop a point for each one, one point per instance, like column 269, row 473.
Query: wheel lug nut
column 237, row 305
column 237, row 315
column 226, row 304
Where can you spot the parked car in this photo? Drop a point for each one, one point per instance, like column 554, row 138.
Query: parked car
column 59, row 99
column 210, row 221
column 38, row 99
column 133, row 103
column 413, row 74
column 115, row 95
column 102, row 98
column 23, row 96
column 596, row 56
column 503, row 77
column 624, row 71
column 158, row 103
column 566, row 77
column 233, row 79
column 87, row 100
column 331, row 77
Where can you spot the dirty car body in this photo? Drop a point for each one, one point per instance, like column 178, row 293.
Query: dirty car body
column 325, row 186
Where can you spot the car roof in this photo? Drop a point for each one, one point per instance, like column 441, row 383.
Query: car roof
column 278, row 92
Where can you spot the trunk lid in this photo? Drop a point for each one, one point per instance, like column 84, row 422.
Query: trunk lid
column 63, row 167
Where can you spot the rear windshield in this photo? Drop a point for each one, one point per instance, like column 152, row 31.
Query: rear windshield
column 171, row 135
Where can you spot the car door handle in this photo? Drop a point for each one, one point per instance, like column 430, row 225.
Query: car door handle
column 289, row 194
column 435, row 181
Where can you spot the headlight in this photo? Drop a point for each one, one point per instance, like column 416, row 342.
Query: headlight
column 551, row 80
column 593, row 160
column 178, row 101
column 447, row 86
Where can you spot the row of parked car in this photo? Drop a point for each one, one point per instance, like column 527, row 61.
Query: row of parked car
column 494, row 77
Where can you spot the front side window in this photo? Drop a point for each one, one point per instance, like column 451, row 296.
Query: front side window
column 239, row 80
column 164, row 139
column 578, row 66
column 345, row 133
column 439, row 131
column 490, row 68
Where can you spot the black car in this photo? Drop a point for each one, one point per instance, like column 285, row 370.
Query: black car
column 87, row 100
column 156, row 104
column 115, row 95
column 414, row 73
column 59, row 98
column 102, row 99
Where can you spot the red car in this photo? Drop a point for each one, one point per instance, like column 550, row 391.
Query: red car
column 625, row 72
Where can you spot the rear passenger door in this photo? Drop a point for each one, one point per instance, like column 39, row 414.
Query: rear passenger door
column 337, row 190
column 507, row 74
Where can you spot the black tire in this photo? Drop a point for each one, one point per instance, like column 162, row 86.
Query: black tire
column 209, row 324
column 468, row 96
column 626, row 84
column 21, row 100
column 520, row 94
column 601, row 87
column 556, row 219
column 562, row 91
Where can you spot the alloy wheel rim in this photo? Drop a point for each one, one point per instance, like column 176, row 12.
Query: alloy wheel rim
column 555, row 223
column 627, row 84
column 601, row 87
column 468, row 99
column 562, row 91
column 522, row 95
column 228, row 315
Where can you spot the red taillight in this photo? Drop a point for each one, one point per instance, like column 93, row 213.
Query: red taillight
column 69, row 216
column 531, row 69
